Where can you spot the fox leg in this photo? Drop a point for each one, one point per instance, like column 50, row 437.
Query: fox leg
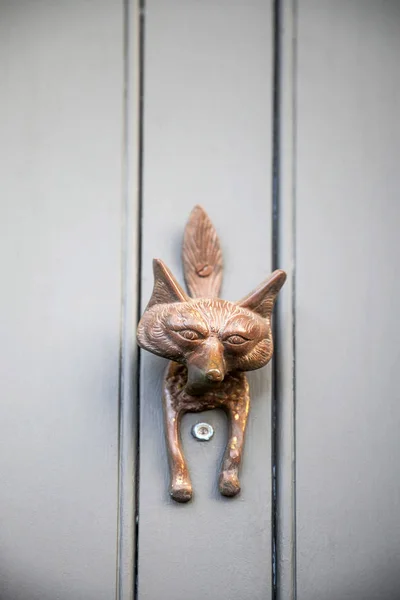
column 180, row 484
column 237, row 409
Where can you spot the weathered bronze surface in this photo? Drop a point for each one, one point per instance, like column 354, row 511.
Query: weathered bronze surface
column 210, row 343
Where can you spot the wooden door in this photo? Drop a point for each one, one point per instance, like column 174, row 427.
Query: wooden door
column 207, row 139
column 280, row 118
column 340, row 331
column 68, row 243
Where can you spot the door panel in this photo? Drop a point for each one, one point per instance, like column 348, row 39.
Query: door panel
column 70, row 157
column 207, row 140
column 347, row 297
column 61, row 122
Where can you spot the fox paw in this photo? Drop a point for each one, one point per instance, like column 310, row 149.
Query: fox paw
column 181, row 491
column 229, row 484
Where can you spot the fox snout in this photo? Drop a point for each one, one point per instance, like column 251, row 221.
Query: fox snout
column 206, row 366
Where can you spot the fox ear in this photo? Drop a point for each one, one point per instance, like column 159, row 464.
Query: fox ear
column 166, row 289
column 262, row 299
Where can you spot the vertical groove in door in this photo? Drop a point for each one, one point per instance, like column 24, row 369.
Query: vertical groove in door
column 130, row 283
column 141, row 41
column 275, row 265
column 284, row 241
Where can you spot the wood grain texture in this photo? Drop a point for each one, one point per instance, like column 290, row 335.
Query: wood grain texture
column 208, row 137
column 347, row 299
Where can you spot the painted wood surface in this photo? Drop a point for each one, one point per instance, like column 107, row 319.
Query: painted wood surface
column 69, row 255
column 347, row 298
column 63, row 207
column 207, row 140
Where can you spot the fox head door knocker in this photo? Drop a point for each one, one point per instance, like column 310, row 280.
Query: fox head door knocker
column 210, row 343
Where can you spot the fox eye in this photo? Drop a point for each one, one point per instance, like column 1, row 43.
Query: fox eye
column 236, row 339
column 190, row 334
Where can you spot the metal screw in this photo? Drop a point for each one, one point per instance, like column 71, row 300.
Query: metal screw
column 202, row 432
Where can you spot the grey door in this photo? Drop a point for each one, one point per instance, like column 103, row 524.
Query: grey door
column 61, row 116
column 341, row 212
column 280, row 118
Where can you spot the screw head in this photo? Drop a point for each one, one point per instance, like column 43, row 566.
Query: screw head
column 202, row 432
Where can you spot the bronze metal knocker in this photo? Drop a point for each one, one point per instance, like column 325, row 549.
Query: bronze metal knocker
column 210, row 343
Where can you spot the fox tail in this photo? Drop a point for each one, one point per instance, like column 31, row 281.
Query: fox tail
column 201, row 256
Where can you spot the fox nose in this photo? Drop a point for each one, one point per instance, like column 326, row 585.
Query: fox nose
column 214, row 375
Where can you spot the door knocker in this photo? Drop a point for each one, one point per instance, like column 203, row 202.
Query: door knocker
column 210, row 343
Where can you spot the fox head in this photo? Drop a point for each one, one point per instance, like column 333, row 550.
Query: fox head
column 212, row 337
